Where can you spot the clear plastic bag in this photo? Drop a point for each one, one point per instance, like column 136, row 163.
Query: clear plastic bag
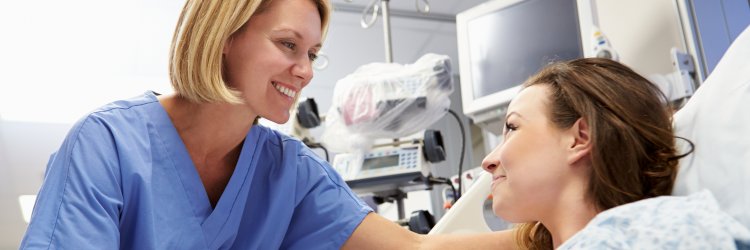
column 387, row 100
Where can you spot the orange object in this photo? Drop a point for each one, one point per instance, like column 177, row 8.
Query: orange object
column 447, row 205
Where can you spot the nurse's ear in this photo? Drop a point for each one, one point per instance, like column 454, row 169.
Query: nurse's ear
column 230, row 40
column 227, row 45
column 579, row 142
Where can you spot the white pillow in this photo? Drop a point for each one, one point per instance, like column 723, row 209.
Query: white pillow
column 717, row 120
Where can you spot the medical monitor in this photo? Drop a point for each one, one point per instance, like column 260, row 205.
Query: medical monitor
column 503, row 42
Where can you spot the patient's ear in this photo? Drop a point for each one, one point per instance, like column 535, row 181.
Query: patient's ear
column 579, row 145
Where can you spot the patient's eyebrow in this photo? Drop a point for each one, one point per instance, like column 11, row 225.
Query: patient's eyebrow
column 513, row 113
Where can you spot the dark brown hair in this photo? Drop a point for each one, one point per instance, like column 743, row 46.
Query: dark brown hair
column 633, row 155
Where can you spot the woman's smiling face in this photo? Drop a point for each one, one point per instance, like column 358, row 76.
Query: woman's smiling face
column 529, row 166
column 270, row 60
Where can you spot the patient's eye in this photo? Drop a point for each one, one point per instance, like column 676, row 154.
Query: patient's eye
column 509, row 127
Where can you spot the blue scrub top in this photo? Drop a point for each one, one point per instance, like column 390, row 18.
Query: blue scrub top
column 123, row 179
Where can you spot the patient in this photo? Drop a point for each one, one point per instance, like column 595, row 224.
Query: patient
column 581, row 137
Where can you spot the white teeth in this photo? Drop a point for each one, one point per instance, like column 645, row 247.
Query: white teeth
column 284, row 90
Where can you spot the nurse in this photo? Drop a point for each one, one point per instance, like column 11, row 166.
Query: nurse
column 193, row 170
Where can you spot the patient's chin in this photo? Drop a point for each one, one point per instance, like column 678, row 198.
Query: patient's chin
column 506, row 213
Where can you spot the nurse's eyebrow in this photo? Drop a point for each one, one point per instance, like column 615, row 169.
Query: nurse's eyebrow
column 295, row 34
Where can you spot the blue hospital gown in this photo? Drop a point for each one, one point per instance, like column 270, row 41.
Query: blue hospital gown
column 123, row 179
column 667, row 222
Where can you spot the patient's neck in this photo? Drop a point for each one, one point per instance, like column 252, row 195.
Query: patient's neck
column 571, row 215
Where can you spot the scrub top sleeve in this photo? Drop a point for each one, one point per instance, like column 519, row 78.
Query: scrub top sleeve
column 329, row 211
column 79, row 203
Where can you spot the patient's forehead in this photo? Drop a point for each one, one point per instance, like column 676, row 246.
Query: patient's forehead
column 531, row 102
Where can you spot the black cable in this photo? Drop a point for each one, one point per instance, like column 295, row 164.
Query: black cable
column 455, row 194
column 448, row 182
column 317, row 145
column 432, row 180
column 326, row 151
column 463, row 151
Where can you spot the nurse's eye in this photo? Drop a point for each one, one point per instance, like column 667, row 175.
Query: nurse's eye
column 312, row 56
column 289, row 45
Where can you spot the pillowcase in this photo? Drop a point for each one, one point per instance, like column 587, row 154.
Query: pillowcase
column 717, row 120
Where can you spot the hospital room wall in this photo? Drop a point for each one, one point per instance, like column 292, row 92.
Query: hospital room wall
column 642, row 32
column 24, row 150
column 61, row 59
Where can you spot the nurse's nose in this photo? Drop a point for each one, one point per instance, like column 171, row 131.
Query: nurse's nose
column 303, row 69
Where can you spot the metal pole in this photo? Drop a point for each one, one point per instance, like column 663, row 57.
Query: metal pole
column 400, row 206
column 387, row 31
column 433, row 16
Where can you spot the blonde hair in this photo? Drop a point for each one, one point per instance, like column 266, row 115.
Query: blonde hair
column 195, row 65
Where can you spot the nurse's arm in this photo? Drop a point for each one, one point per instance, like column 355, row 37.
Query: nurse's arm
column 376, row 232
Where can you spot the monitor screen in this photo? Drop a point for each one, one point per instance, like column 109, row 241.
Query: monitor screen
column 380, row 162
column 503, row 42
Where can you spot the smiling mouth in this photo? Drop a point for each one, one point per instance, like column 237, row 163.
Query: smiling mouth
column 284, row 90
column 498, row 179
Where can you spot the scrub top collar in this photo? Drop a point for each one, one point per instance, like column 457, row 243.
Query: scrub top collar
column 213, row 218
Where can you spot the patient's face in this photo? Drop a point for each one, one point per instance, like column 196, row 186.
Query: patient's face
column 528, row 168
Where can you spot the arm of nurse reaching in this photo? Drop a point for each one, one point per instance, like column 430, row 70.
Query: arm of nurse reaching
column 376, row 232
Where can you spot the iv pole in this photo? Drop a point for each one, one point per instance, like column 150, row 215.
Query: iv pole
column 399, row 195
column 387, row 33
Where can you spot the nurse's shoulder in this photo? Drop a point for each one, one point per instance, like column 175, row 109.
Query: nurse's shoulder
column 120, row 119
column 104, row 134
column 293, row 149
column 293, row 153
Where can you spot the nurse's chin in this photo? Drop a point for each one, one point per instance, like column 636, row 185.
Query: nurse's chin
column 278, row 119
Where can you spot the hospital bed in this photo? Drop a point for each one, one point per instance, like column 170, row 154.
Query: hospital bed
column 715, row 119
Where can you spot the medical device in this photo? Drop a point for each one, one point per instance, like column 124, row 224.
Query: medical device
column 601, row 45
column 503, row 42
column 387, row 100
column 393, row 159
column 381, row 162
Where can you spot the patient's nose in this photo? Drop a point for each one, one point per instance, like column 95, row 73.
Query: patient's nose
column 491, row 161
column 489, row 167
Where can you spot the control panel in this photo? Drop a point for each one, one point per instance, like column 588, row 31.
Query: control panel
column 380, row 162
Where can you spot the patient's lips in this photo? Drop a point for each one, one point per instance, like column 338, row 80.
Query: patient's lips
column 498, row 178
